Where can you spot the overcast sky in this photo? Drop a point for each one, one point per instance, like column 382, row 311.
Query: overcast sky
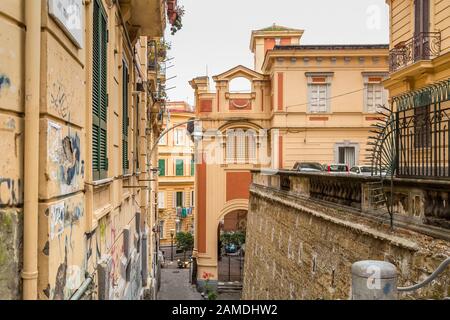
column 216, row 33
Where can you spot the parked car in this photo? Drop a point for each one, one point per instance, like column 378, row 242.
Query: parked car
column 337, row 168
column 230, row 248
column 308, row 167
column 361, row 170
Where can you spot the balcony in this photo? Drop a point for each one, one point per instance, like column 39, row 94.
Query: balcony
column 424, row 46
column 148, row 15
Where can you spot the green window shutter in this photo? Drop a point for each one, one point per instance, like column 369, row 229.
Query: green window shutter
column 179, row 170
column 192, row 167
column 162, row 167
column 125, row 122
column 99, row 93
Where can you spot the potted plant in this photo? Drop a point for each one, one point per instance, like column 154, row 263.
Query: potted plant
column 176, row 20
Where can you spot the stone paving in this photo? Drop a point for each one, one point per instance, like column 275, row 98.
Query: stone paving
column 175, row 284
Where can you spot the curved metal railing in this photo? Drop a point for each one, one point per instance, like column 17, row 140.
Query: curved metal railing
column 432, row 276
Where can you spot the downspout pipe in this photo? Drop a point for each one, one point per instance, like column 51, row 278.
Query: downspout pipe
column 31, row 148
column 82, row 290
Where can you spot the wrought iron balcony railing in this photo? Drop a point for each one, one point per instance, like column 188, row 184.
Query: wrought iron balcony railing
column 424, row 46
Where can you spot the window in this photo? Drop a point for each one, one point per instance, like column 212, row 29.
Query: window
column 192, row 166
column 161, row 229
column 162, row 167
column 421, row 25
column 179, row 137
column 422, row 127
column 179, row 167
column 161, row 200
column 178, row 199
column 192, row 199
column 347, row 156
column 374, row 97
column 374, row 93
column 318, row 100
column 137, row 135
column 277, row 41
column 163, row 141
column 99, row 93
column 319, row 92
column 178, row 226
column 241, row 146
column 125, row 119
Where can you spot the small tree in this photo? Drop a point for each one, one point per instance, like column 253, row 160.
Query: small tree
column 185, row 242
column 234, row 237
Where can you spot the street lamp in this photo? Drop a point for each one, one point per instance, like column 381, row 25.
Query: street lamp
column 172, row 233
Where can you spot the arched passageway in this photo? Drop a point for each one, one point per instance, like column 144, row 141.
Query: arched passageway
column 231, row 234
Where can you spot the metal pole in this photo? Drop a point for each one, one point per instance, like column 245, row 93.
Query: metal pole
column 229, row 268
column 171, row 247
column 240, row 265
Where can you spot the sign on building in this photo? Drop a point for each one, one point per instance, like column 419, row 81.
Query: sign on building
column 69, row 15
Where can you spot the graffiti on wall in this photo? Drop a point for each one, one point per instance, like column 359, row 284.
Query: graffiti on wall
column 63, row 215
column 11, row 192
column 57, row 212
column 5, row 82
column 64, row 153
column 59, row 100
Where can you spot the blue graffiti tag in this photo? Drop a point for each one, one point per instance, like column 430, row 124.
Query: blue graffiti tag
column 4, row 81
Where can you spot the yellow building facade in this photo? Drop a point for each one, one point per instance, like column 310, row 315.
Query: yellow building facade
column 310, row 103
column 176, row 175
column 419, row 84
column 78, row 115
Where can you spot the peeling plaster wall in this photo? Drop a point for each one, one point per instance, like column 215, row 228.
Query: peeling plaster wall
column 81, row 226
column 11, row 147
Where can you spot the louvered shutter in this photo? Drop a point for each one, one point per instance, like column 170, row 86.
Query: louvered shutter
column 162, row 167
column 99, row 93
column 125, row 119
column 179, row 167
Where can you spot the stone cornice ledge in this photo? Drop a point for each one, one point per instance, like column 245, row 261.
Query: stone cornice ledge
column 397, row 241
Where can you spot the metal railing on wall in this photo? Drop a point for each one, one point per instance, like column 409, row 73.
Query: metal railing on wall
column 422, row 132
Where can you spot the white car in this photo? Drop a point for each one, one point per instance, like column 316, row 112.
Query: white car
column 361, row 170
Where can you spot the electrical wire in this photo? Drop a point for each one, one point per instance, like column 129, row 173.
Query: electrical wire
column 326, row 99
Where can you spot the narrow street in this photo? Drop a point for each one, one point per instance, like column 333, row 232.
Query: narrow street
column 175, row 284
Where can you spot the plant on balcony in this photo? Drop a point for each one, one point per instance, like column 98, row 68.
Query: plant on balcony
column 176, row 19
column 163, row 47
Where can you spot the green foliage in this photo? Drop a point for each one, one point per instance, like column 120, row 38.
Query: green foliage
column 177, row 25
column 237, row 238
column 185, row 241
column 210, row 292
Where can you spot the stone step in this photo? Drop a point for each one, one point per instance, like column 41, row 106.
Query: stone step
column 229, row 286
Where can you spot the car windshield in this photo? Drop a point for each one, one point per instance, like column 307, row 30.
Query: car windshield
column 366, row 169
column 315, row 166
column 338, row 168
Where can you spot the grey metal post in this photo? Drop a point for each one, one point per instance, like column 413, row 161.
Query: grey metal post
column 374, row 280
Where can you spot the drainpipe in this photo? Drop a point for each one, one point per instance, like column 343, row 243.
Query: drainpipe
column 31, row 148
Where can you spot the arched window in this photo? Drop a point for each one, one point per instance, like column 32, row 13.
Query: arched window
column 240, row 85
column 241, row 145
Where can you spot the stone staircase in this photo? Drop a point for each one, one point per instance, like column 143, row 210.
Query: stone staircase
column 229, row 287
